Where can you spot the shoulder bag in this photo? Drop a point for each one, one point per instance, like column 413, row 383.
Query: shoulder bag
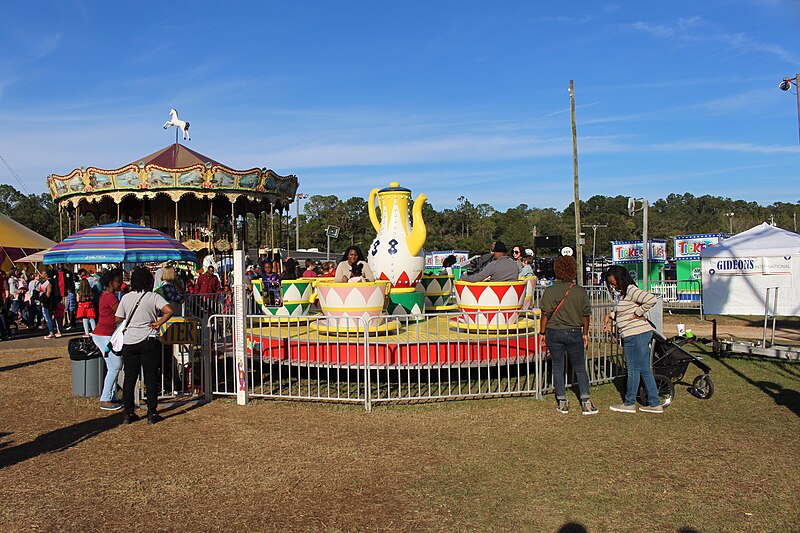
column 118, row 337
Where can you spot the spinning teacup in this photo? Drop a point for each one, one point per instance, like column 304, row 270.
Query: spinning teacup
column 438, row 291
column 345, row 303
column 491, row 304
column 297, row 295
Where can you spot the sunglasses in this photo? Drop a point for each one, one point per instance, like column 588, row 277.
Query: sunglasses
column 516, row 252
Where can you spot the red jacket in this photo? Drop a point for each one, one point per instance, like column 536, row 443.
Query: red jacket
column 207, row 284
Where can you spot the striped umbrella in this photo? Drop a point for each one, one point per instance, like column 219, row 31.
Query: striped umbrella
column 120, row 242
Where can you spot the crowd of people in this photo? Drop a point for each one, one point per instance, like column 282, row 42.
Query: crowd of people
column 565, row 321
column 98, row 302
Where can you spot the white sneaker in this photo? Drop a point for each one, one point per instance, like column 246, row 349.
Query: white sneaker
column 651, row 409
column 623, row 408
column 562, row 406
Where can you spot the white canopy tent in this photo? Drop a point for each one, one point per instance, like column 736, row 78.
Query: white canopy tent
column 738, row 271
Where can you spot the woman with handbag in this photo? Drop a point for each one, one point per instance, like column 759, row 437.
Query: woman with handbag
column 636, row 332
column 101, row 335
column 565, row 326
column 140, row 310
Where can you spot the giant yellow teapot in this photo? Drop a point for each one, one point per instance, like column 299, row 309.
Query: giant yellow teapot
column 396, row 253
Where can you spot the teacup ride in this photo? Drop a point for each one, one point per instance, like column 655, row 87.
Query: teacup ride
column 297, row 297
column 530, row 291
column 492, row 306
column 438, row 293
column 352, row 308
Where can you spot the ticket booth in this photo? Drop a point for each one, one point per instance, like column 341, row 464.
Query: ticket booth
column 687, row 263
column 629, row 255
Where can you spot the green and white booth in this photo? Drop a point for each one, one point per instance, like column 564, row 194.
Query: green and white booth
column 687, row 262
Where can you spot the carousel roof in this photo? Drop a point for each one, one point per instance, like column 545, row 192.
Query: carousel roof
column 174, row 170
column 176, row 156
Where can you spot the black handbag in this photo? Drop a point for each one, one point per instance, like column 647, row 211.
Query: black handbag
column 83, row 349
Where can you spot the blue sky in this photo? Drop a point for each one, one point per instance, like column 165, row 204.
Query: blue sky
column 449, row 98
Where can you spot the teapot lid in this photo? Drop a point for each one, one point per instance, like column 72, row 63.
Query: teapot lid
column 394, row 187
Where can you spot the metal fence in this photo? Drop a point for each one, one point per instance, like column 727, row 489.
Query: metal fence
column 396, row 358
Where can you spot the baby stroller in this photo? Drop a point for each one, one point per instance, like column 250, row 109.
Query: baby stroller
column 670, row 362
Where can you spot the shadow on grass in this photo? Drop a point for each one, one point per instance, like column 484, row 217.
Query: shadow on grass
column 27, row 363
column 64, row 438
column 781, row 395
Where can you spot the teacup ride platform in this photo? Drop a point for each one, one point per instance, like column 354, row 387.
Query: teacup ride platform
column 355, row 332
column 407, row 344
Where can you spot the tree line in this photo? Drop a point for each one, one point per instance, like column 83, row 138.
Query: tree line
column 472, row 227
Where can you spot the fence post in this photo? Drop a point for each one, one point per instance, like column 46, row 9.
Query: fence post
column 367, row 377
column 239, row 329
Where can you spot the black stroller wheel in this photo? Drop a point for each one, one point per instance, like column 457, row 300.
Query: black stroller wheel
column 702, row 387
column 665, row 388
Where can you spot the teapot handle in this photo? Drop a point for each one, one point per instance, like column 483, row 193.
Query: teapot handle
column 373, row 217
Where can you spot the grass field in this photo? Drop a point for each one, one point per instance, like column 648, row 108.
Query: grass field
column 731, row 463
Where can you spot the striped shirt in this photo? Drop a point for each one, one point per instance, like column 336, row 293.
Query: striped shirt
column 635, row 303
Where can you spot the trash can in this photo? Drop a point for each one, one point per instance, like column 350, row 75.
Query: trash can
column 88, row 376
column 88, row 367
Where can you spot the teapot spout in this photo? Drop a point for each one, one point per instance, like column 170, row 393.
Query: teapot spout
column 416, row 239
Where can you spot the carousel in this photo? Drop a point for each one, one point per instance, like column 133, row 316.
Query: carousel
column 208, row 206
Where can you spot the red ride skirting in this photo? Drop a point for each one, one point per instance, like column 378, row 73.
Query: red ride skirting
column 392, row 353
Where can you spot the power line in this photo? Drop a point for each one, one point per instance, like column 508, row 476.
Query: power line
column 19, row 180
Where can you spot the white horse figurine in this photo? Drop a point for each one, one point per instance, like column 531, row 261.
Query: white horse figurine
column 178, row 123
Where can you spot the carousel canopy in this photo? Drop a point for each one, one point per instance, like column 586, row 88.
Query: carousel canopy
column 175, row 171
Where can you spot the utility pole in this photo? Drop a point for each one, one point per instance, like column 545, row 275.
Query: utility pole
column 578, row 243
column 594, row 242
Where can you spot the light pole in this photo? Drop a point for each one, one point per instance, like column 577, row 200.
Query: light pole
column 299, row 196
column 645, row 245
column 594, row 242
column 785, row 85
column 730, row 222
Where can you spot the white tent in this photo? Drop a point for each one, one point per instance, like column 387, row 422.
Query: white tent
column 738, row 271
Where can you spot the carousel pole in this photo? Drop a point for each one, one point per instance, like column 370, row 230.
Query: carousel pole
column 210, row 226
column 233, row 225
column 77, row 217
column 271, row 227
column 117, row 211
column 60, row 224
column 177, row 224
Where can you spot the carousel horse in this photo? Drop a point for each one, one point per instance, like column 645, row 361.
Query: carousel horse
column 178, row 123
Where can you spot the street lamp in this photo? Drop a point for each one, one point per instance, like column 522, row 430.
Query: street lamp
column 730, row 221
column 299, row 196
column 785, row 85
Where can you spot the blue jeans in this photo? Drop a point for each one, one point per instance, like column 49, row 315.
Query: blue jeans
column 48, row 319
column 569, row 343
column 113, row 366
column 637, row 359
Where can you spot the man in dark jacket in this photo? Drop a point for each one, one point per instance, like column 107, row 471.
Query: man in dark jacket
column 503, row 268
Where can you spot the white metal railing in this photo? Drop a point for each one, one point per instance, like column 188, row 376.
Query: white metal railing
column 395, row 358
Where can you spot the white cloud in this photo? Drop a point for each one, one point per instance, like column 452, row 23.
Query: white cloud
column 696, row 29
